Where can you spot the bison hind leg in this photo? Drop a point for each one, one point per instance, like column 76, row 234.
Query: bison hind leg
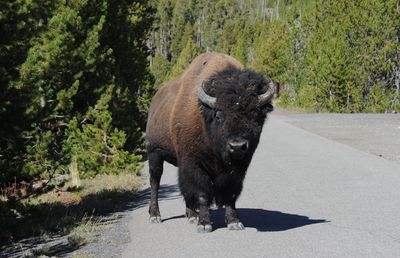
column 155, row 169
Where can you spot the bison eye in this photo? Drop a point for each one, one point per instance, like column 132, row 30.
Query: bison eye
column 218, row 116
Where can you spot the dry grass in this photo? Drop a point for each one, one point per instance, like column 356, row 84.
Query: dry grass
column 125, row 182
column 75, row 212
column 82, row 233
column 70, row 194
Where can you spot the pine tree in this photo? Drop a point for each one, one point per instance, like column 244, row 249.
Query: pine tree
column 243, row 45
column 269, row 51
column 163, row 36
column 96, row 145
column 180, row 17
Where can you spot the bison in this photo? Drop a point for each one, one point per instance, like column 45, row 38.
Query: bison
column 207, row 122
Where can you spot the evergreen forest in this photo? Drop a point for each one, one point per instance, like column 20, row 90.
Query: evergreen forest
column 77, row 76
column 335, row 56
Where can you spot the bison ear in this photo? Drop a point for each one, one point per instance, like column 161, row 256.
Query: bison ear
column 267, row 108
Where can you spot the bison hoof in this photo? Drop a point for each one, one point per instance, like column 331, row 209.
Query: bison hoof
column 236, row 226
column 193, row 220
column 204, row 228
column 155, row 219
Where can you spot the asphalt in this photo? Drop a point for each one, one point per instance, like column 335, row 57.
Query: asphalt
column 305, row 195
column 378, row 134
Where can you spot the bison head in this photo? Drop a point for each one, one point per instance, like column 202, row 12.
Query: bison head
column 234, row 104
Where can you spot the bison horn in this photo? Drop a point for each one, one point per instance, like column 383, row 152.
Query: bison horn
column 205, row 98
column 267, row 96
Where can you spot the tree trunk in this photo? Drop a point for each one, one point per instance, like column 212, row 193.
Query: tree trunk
column 73, row 169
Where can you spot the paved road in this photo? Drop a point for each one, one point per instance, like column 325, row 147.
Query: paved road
column 378, row 134
column 304, row 196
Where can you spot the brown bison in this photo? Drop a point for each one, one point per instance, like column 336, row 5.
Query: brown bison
column 207, row 122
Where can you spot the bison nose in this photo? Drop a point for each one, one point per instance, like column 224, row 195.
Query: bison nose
column 238, row 146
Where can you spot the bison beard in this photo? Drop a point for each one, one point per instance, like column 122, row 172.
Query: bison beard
column 208, row 123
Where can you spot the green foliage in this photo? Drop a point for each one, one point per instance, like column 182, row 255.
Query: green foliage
column 379, row 100
column 269, row 51
column 76, row 84
column 97, row 146
column 243, row 45
column 160, row 68
column 187, row 55
column 285, row 100
column 307, row 97
column 42, row 156
column 342, row 50
column 21, row 22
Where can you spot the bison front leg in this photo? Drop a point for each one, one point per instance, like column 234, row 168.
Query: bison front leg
column 191, row 215
column 204, row 224
column 231, row 218
column 196, row 188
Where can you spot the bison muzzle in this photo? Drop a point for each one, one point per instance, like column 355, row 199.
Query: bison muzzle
column 207, row 122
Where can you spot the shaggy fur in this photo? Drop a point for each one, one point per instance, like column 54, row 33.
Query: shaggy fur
column 196, row 138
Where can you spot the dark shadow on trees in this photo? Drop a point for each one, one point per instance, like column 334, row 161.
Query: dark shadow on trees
column 265, row 220
column 24, row 232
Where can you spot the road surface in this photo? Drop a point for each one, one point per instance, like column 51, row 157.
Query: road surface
column 304, row 196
